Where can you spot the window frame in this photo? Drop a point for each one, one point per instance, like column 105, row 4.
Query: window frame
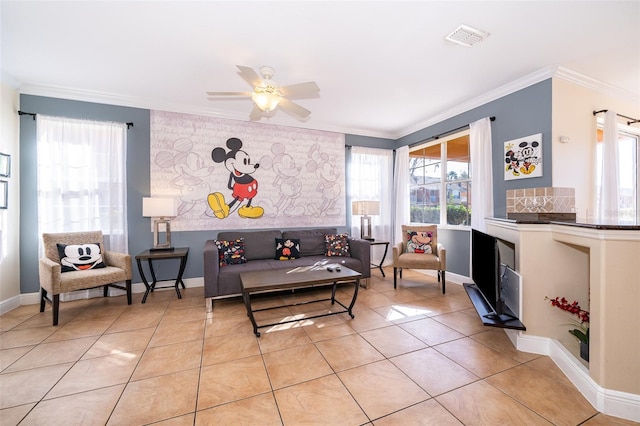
column 444, row 182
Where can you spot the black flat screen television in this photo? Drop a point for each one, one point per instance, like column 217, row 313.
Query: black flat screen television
column 485, row 271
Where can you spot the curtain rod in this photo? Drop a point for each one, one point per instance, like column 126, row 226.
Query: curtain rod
column 33, row 115
column 438, row 136
column 631, row 119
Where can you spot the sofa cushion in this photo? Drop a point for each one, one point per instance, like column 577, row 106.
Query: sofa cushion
column 257, row 244
column 311, row 240
column 229, row 276
column 337, row 245
column 231, row 252
column 287, row 249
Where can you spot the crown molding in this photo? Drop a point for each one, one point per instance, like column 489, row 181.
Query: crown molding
column 593, row 84
column 133, row 102
column 519, row 84
column 117, row 100
column 507, row 89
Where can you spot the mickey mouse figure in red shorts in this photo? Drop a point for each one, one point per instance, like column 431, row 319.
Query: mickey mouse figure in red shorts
column 241, row 183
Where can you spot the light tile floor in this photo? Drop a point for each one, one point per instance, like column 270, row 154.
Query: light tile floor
column 411, row 356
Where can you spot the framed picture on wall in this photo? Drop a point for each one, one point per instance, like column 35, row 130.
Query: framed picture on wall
column 4, row 194
column 5, row 165
column 523, row 157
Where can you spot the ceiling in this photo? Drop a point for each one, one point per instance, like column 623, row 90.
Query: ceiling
column 383, row 67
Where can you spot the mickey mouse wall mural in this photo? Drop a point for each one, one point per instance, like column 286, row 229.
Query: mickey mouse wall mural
column 246, row 175
column 241, row 182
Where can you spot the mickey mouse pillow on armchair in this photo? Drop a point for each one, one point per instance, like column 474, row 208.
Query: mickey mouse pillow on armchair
column 80, row 257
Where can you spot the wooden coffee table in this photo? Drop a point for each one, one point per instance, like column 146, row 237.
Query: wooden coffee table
column 302, row 277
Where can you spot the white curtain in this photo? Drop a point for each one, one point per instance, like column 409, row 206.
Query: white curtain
column 370, row 180
column 609, row 183
column 481, row 173
column 82, row 178
column 401, row 193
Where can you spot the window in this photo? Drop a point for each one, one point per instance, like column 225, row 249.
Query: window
column 82, row 178
column 370, row 178
column 439, row 175
column 628, row 176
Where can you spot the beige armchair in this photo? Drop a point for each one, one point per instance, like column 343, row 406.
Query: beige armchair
column 416, row 237
column 53, row 281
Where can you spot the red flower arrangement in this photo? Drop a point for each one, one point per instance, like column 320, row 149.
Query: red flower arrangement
column 582, row 332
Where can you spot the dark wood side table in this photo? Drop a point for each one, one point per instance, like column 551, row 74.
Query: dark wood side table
column 384, row 255
column 150, row 255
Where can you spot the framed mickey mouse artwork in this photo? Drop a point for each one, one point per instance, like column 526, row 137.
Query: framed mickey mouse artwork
column 4, row 194
column 5, row 165
column 523, row 157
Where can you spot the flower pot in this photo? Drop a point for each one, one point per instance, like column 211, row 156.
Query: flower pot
column 584, row 351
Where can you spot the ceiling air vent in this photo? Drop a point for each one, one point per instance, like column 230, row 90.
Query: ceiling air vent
column 467, row 36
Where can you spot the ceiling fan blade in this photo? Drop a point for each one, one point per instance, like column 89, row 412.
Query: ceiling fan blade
column 294, row 109
column 301, row 90
column 250, row 76
column 229, row 93
column 256, row 114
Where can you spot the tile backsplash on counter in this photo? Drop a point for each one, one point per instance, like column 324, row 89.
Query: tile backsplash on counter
column 551, row 203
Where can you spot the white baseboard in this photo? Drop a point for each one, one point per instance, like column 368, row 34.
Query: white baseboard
column 34, row 298
column 450, row 277
column 611, row 402
column 10, row 304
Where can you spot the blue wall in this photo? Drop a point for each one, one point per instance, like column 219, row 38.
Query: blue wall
column 525, row 112
column 137, row 174
column 519, row 114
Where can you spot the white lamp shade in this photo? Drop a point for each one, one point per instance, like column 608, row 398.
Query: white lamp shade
column 371, row 208
column 159, row 207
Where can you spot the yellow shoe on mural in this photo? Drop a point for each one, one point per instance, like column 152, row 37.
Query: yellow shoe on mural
column 250, row 212
column 218, row 206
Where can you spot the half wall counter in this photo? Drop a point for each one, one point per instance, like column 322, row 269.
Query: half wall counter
column 597, row 264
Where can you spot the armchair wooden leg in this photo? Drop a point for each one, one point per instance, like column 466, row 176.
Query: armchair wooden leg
column 56, row 307
column 395, row 273
column 128, row 285
column 443, row 282
column 105, row 290
column 43, row 298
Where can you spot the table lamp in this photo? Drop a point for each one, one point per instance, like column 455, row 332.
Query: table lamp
column 366, row 209
column 162, row 209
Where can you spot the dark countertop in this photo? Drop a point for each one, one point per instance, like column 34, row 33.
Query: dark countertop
column 610, row 224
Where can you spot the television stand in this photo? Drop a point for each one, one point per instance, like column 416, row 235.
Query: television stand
column 500, row 317
column 488, row 317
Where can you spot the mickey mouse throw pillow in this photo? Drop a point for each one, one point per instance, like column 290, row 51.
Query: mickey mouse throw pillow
column 80, row 257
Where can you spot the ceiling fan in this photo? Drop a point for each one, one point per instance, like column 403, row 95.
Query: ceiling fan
column 267, row 95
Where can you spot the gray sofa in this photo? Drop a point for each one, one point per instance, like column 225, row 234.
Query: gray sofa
column 260, row 252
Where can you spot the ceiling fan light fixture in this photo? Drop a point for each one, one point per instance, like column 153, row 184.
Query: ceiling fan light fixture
column 266, row 99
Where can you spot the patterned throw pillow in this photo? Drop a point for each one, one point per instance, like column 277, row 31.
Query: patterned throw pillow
column 231, row 252
column 80, row 257
column 419, row 242
column 337, row 245
column 287, row 249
